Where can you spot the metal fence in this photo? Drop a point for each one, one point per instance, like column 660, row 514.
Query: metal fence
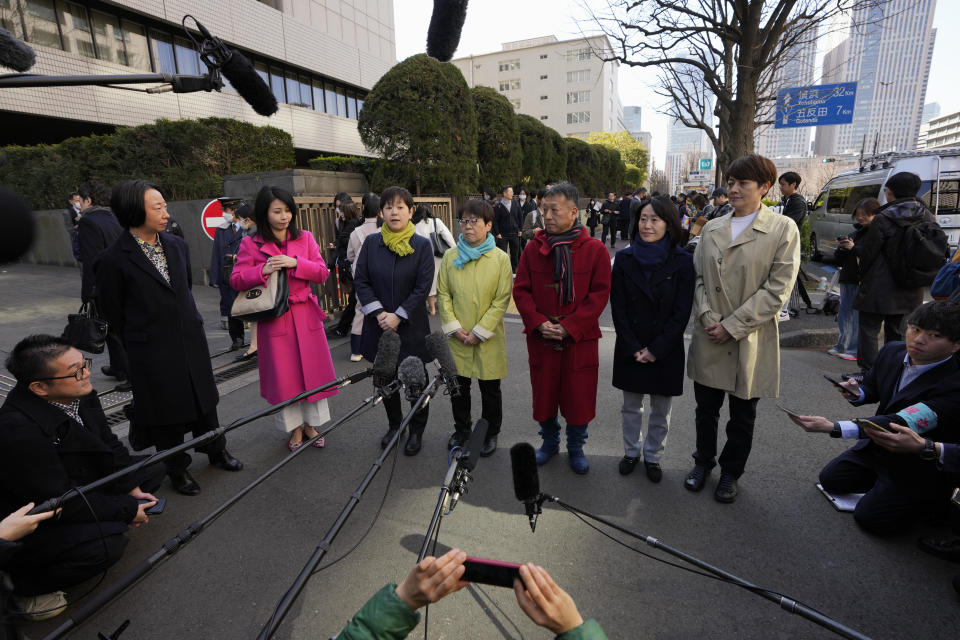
column 317, row 215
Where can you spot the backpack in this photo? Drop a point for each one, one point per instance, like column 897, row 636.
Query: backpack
column 916, row 252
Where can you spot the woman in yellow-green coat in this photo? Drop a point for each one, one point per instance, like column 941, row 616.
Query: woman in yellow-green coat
column 473, row 291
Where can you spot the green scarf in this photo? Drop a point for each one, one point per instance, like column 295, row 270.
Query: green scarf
column 398, row 241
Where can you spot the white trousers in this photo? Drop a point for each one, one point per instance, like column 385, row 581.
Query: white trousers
column 296, row 415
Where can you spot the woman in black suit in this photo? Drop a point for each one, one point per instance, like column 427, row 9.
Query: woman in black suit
column 651, row 295
column 393, row 276
column 144, row 282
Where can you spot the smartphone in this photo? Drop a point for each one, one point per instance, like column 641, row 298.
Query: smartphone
column 835, row 383
column 492, row 572
column 792, row 414
column 863, row 422
column 155, row 509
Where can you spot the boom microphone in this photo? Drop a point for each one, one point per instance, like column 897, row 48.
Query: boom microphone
column 467, row 462
column 237, row 69
column 15, row 54
column 526, row 482
column 18, row 227
column 413, row 376
column 446, row 23
column 439, row 350
column 385, row 362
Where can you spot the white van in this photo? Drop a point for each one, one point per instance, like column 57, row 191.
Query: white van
column 939, row 171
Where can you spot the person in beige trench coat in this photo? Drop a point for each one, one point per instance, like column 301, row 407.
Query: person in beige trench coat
column 746, row 263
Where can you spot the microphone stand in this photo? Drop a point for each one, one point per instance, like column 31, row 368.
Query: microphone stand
column 787, row 604
column 54, row 503
column 187, row 535
column 457, row 477
column 178, row 83
column 301, row 580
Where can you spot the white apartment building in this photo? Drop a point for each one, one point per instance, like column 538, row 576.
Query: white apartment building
column 563, row 83
column 888, row 55
column 943, row 132
column 320, row 58
column 797, row 71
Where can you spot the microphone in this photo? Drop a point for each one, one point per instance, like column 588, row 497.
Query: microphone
column 446, row 23
column 467, row 461
column 439, row 350
column 412, row 376
column 237, row 68
column 526, row 482
column 385, row 362
column 15, row 54
column 18, row 234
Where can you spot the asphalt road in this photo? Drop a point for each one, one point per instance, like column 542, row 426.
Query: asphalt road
column 780, row 534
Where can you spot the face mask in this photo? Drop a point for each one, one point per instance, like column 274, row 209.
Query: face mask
column 522, row 198
column 227, row 217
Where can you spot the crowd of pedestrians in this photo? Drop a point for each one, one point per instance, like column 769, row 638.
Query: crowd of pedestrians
column 724, row 269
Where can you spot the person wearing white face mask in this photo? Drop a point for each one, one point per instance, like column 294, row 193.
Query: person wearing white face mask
column 226, row 245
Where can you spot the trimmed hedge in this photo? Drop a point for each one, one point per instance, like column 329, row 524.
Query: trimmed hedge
column 188, row 159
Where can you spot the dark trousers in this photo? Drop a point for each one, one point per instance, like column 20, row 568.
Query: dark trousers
column 491, row 403
column 38, row 571
column 234, row 326
column 869, row 333
column 894, row 499
column 395, row 414
column 345, row 323
column 511, row 246
column 593, row 230
column 118, row 355
column 612, row 230
column 743, row 413
column 169, row 436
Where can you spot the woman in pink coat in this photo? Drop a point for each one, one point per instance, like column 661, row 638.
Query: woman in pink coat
column 292, row 349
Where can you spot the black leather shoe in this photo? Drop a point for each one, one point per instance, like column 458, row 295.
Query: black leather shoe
column 489, row 446
column 947, row 547
column 726, row 491
column 387, row 437
column 243, row 357
column 627, row 465
column 413, row 444
column 114, row 373
column 654, row 472
column 458, row 439
column 184, row 483
column 124, row 386
column 236, row 344
column 696, row 478
column 226, row 461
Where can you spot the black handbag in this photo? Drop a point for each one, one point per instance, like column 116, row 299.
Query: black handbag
column 85, row 330
column 439, row 244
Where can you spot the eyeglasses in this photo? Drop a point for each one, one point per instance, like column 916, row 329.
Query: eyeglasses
column 469, row 222
column 77, row 375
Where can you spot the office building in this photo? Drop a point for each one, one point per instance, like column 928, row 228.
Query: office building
column 797, row 71
column 888, row 54
column 943, row 132
column 931, row 110
column 632, row 118
column 685, row 147
column 320, row 58
column 563, row 83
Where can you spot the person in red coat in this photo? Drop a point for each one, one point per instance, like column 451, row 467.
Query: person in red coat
column 561, row 288
column 293, row 355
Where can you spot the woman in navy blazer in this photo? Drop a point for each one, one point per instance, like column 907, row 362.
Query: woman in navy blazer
column 651, row 296
column 393, row 276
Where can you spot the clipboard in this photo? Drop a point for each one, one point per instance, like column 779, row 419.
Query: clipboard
column 841, row 501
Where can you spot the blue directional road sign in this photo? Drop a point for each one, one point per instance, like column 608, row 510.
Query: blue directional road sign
column 817, row 106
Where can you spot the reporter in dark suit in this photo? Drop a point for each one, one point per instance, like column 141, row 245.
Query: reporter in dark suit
column 54, row 436
column 917, row 386
column 144, row 281
column 507, row 225
column 97, row 229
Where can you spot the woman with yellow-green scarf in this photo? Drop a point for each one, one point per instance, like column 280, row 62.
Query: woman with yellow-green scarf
column 392, row 278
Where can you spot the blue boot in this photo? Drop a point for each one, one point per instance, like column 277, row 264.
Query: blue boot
column 576, row 436
column 550, row 432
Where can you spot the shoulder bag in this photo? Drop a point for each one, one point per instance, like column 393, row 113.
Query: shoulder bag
column 264, row 301
column 85, row 330
column 439, row 244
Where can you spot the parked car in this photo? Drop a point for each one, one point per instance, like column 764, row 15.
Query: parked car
column 939, row 171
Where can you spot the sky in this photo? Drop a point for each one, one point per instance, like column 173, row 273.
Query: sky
column 492, row 22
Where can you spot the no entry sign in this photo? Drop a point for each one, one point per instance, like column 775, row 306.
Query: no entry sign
column 211, row 217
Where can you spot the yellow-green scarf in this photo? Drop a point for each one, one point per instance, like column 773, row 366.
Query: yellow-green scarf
column 398, row 241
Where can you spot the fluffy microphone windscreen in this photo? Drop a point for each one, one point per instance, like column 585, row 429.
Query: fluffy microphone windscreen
column 526, row 482
column 443, row 36
column 15, row 54
column 477, row 438
column 385, row 362
column 412, row 374
column 248, row 83
column 439, row 349
column 18, row 227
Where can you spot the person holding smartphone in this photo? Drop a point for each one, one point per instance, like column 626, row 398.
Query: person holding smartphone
column 848, row 258
column 917, row 387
